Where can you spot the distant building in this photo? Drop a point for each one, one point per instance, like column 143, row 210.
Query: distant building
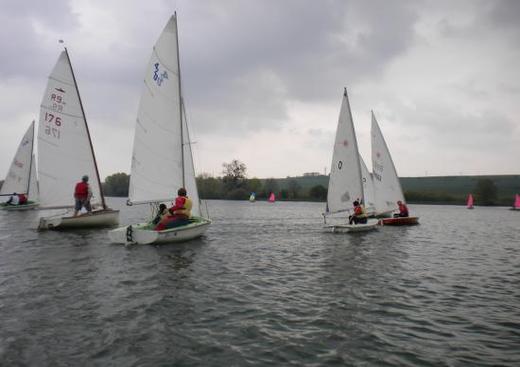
column 311, row 174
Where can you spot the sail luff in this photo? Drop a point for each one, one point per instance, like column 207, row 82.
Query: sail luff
column 88, row 132
column 31, row 162
column 355, row 146
column 180, row 100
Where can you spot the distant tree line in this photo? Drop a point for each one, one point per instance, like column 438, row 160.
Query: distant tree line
column 233, row 184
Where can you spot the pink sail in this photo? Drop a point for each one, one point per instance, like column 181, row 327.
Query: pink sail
column 271, row 198
column 516, row 205
column 469, row 203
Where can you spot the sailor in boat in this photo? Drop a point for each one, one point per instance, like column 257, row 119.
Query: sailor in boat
column 403, row 210
column 163, row 211
column 82, row 195
column 359, row 216
column 14, row 199
column 179, row 214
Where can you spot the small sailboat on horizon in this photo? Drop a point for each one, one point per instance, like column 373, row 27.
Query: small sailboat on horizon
column 21, row 177
column 252, row 197
column 346, row 179
column 272, row 198
column 469, row 202
column 65, row 154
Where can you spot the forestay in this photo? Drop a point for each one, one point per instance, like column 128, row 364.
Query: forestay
column 345, row 183
column 386, row 183
column 64, row 150
column 21, row 171
column 157, row 154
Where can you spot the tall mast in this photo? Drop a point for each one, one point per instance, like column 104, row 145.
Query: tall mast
column 180, row 101
column 88, row 133
column 357, row 150
column 30, row 162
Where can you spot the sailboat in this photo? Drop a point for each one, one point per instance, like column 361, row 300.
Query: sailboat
column 516, row 204
column 21, row 177
column 272, row 198
column 387, row 186
column 346, row 180
column 252, row 197
column 469, row 202
column 65, row 153
column 162, row 160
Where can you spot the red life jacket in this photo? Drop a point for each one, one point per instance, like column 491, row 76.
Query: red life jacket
column 22, row 199
column 81, row 190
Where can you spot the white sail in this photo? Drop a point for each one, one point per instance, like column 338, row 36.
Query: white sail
column 64, row 149
column 157, row 160
column 19, row 174
column 386, row 183
column 345, row 183
column 189, row 170
column 368, row 188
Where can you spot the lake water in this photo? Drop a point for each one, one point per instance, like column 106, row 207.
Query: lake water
column 265, row 287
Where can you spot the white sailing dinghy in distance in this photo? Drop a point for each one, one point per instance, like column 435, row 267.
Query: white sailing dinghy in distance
column 346, row 180
column 21, row 177
column 387, row 186
column 162, row 160
column 65, row 153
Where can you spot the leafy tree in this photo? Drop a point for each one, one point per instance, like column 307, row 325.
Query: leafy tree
column 486, row 192
column 284, row 194
column 237, row 194
column 210, row 187
column 234, row 174
column 318, row 192
column 117, row 184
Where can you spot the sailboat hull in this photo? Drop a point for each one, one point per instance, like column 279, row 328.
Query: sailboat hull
column 29, row 206
column 399, row 221
column 142, row 234
column 352, row 228
column 98, row 218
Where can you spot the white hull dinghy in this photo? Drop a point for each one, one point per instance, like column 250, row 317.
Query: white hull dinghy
column 144, row 234
column 347, row 182
column 98, row 218
column 65, row 154
column 162, row 160
column 21, row 177
column 344, row 228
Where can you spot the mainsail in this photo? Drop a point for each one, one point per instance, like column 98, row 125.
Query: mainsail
column 387, row 186
column 345, row 184
column 65, row 152
column 162, row 158
column 21, row 177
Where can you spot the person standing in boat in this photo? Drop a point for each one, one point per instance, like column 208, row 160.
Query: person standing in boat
column 179, row 213
column 82, row 195
column 359, row 216
column 403, row 210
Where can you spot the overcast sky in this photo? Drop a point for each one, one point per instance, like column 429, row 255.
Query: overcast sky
column 263, row 79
